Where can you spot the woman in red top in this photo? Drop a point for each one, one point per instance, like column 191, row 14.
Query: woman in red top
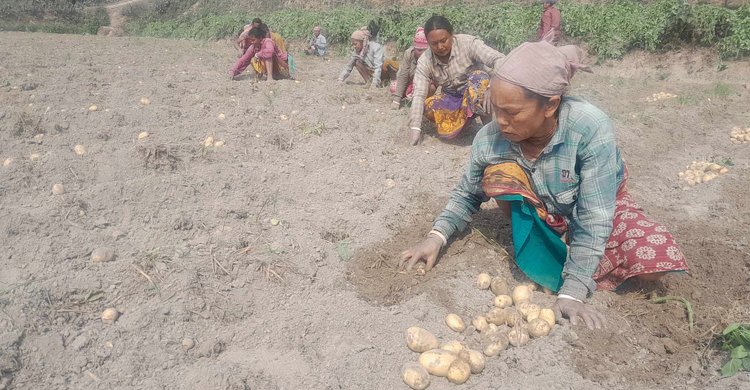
column 549, row 26
column 266, row 58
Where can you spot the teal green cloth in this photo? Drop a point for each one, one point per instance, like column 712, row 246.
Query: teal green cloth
column 540, row 253
column 292, row 65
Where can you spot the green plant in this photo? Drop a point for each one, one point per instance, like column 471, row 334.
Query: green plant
column 736, row 338
column 722, row 90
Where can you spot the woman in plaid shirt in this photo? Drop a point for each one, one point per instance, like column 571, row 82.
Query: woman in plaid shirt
column 552, row 163
column 459, row 65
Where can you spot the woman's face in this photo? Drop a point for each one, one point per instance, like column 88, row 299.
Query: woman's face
column 253, row 41
column 357, row 44
column 520, row 117
column 441, row 42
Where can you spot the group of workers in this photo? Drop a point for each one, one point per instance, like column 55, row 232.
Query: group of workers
column 550, row 161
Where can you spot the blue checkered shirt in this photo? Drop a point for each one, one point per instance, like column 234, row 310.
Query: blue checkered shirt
column 577, row 176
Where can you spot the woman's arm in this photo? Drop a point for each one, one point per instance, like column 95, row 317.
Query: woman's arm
column 378, row 58
column 485, row 54
column 592, row 216
column 421, row 85
column 348, row 68
column 402, row 77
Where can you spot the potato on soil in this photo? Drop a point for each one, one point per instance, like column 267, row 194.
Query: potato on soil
column 102, row 255
column 8, row 161
column 496, row 316
column 143, row 134
column 476, row 361
column 483, row 281
column 492, row 346
column 512, row 316
column 58, row 189
column 548, row 315
column 521, row 294
column 110, row 315
column 529, row 310
column 420, row 340
column 503, row 301
column 453, row 346
column 459, row 371
column 455, row 322
column 79, row 150
column 518, row 336
column 538, row 328
column 480, row 323
column 437, row 361
column 415, row 376
column 498, row 286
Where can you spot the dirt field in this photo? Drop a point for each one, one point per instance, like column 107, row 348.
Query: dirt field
column 275, row 253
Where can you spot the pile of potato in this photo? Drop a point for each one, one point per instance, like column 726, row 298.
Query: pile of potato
column 660, row 96
column 739, row 136
column 701, row 172
column 513, row 320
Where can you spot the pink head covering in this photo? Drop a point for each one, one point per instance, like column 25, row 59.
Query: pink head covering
column 420, row 40
column 362, row 34
column 541, row 67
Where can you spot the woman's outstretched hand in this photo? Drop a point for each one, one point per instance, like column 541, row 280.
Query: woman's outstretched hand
column 573, row 310
column 426, row 250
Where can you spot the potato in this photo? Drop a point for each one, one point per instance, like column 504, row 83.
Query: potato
column 110, row 315
column 102, row 255
column 492, row 349
column 521, row 294
column 209, row 141
column 453, row 346
column 724, row 170
column 476, row 361
column 518, row 336
column 58, row 189
column 528, row 309
column 93, row 108
column 538, row 328
column 713, row 167
column 512, row 316
column 34, row 156
column 708, row 177
column 483, row 281
column 437, row 361
column 8, row 161
column 420, row 340
column 531, row 286
column 498, row 286
column 187, row 343
column 145, row 101
column 496, row 316
column 79, row 150
column 459, row 371
column 415, row 376
column 548, row 315
column 219, row 143
column 221, row 116
column 480, row 323
column 455, row 322
column 143, row 134
column 503, row 301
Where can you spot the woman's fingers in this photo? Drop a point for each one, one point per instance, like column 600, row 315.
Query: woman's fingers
column 586, row 317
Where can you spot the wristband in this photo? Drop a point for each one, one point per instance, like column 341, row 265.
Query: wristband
column 439, row 235
column 563, row 296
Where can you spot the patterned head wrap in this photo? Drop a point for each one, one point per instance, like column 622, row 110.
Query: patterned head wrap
column 420, row 40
